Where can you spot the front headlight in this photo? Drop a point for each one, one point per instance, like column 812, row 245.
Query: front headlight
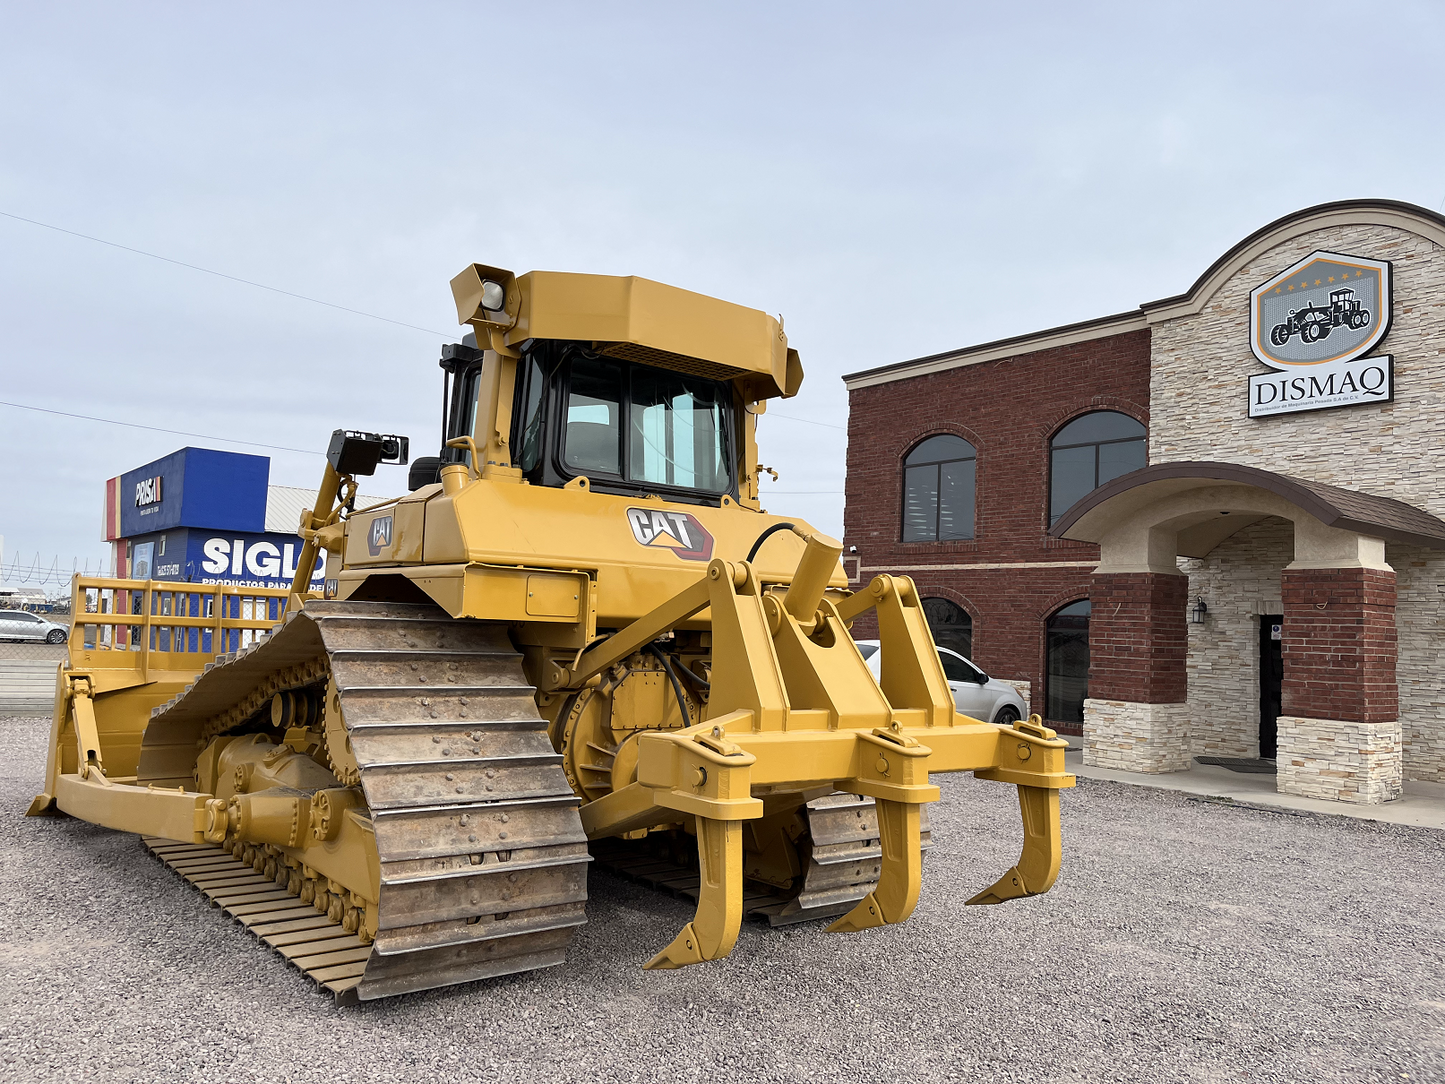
column 493, row 295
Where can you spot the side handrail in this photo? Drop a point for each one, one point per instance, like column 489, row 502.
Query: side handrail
column 133, row 618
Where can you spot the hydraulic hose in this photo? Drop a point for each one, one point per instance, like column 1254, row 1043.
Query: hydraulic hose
column 774, row 529
column 701, row 681
column 676, row 684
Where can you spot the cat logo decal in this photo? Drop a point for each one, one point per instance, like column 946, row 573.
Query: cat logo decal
column 680, row 532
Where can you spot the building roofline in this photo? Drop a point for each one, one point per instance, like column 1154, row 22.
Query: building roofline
column 1343, row 211
column 1064, row 335
column 1407, row 216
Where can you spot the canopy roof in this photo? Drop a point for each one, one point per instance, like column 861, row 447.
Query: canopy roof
column 1364, row 513
column 640, row 320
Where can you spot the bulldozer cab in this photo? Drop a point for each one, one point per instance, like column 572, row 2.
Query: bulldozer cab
column 616, row 385
column 624, row 426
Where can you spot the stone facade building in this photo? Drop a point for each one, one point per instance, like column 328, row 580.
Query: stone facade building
column 1234, row 497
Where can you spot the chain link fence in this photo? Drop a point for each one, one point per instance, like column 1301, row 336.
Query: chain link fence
column 27, row 674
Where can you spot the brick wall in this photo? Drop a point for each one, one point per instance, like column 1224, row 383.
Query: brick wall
column 1340, row 644
column 1138, row 638
column 1008, row 409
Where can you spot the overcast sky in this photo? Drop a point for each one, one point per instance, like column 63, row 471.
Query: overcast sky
column 895, row 180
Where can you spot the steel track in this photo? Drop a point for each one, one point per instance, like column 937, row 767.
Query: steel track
column 482, row 853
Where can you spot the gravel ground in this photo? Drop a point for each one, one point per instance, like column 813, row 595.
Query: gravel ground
column 1186, row 940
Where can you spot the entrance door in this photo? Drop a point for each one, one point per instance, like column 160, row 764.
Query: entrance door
column 1066, row 651
column 1271, row 678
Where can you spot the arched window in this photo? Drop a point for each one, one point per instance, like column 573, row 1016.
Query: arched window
column 938, row 480
column 950, row 624
column 1066, row 649
column 1090, row 451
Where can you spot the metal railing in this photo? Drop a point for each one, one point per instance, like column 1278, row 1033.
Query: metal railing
column 134, row 624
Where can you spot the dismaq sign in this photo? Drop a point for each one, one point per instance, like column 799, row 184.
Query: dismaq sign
column 1316, row 320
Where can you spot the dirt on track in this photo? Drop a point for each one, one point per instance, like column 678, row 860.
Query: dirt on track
column 1186, row 940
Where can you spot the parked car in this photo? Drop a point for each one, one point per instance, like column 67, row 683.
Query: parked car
column 975, row 694
column 19, row 625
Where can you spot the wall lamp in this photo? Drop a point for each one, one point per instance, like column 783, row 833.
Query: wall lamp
column 1197, row 612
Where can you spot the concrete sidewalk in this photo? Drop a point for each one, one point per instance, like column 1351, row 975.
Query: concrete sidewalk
column 1422, row 806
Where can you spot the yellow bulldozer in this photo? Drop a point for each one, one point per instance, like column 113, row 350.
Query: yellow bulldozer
column 577, row 638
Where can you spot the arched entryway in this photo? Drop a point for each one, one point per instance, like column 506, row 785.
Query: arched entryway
column 950, row 624
column 1335, row 611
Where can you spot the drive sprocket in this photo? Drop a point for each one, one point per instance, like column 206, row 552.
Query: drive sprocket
column 339, row 755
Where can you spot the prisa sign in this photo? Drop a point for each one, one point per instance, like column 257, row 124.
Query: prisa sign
column 148, row 491
column 1316, row 320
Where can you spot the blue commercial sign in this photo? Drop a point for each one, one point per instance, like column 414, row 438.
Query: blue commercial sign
column 253, row 560
column 232, row 558
column 196, row 488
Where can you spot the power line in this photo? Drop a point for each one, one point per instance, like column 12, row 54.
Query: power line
column 274, row 290
column 805, row 421
column 233, row 278
column 285, row 293
column 157, row 429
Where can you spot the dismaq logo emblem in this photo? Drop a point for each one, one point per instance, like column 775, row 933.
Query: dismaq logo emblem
column 680, row 532
column 1327, row 307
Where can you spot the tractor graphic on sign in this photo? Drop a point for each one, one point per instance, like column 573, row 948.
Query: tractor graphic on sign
column 1313, row 323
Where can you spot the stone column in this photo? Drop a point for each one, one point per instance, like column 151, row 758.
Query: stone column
column 1135, row 719
column 1339, row 733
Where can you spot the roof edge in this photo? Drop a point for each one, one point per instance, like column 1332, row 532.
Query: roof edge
column 1300, row 492
column 1336, row 212
column 1151, row 312
column 1064, row 335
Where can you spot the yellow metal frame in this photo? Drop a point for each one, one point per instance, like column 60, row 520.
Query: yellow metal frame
column 794, row 712
column 120, row 664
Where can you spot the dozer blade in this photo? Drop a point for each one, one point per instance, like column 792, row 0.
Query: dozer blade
column 713, row 931
column 1039, row 864
column 901, row 875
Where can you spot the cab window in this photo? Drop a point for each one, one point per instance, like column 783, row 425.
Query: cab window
column 594, row 409
column 529, row 424
column 463, row 414
column 677, row 432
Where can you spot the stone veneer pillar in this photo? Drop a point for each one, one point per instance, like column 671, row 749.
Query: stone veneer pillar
column 1135, row 719
column 1339, row 730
